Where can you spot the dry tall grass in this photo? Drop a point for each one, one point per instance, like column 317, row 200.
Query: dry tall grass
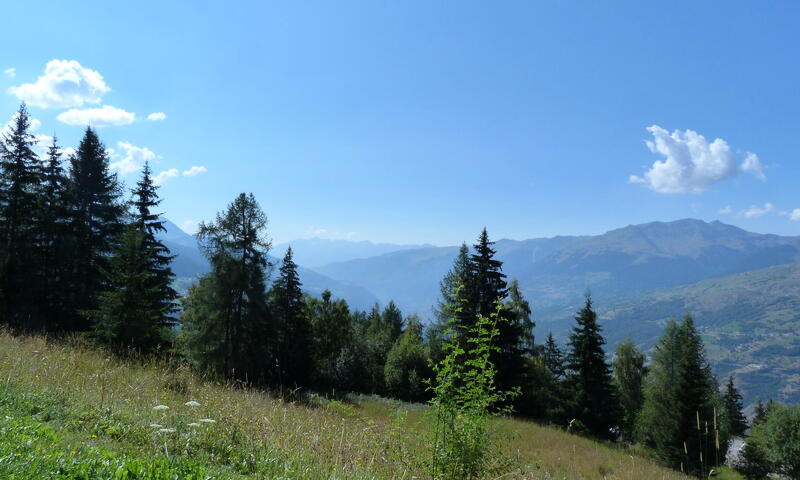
column 371, row 438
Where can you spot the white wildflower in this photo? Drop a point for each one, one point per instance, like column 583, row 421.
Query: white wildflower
column 192, row 403
column 194, row 424
column 160, row 408
column 167, row 430
column 207, row 420
column 155, row 425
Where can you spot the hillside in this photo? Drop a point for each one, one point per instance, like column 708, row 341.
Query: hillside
column 84, row 414
column 750, row 323
column 555, row 272
column 316, row 252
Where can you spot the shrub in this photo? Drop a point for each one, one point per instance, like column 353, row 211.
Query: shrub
column 464, row 398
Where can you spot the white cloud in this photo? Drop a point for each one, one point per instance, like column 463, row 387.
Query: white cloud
column 65, row 84
column 97, row 117
column 795, row 215
column 190, row 226
column 10, row 72
column 194, row 171
column 753, row 165
column 691, row 163
column 755, row 211
column 157, row 116
column 725, row 210
column 133, row 158
column 165, row 175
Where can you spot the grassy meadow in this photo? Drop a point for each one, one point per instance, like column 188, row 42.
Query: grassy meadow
column 69, row 411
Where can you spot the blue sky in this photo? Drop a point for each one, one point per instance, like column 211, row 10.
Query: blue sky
column 424, row 121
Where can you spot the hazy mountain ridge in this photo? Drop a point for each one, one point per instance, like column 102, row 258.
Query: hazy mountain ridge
column 316, row 252
column 189, row 264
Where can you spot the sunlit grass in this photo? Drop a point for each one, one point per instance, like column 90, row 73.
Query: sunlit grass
column 105, row 410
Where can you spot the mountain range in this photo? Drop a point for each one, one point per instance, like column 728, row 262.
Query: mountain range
column 743, row 288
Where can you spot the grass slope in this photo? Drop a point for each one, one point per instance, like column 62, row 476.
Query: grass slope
column 71, row 412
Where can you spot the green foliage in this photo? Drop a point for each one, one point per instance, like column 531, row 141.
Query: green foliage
column 732, row 407
column 127, row 316
column 135, row 309
column 96, row 223
column 20, row 195
column 407, row 365
column 679, row 417
column 464, row 398
column 780, row 438
column 553, row 357
column 293, row 350
column 589, row 376
column 629, row 374
column 225, row 318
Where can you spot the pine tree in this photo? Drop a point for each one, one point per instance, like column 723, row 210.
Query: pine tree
column 126, row 316
column 629, row 374
column 597, row 400
column 140, row 267
column 392, row 319
column 20, row 194
column 486, row 283
column 295, row 342
column 150, row 224
column 760, row 415
column 680, row 396
column 451, row 305
column 333, row 337
column 96, row 223
column 53, row 229
column 225, row 317
column 732, row 403
column 553, row 357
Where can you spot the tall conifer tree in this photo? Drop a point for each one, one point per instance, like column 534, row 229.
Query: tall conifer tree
column 629, row 373
column 553, row 357
column 136, row 310
column 53, row 228
column 295, row 341
column 225, row 316
column 732, row 403
column 20, row 194
column 590, row 376
column 96, row 223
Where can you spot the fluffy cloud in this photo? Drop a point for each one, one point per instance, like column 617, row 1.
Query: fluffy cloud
column 132, row 158
column 756, row 211
column 157, row 116
column 795, row 215
column 691, row 163
column 753, row 165
column 97, row 117
column 725, row 210
column 65, row 84
column 10, row 72
column 165, row 175
column 194, row 171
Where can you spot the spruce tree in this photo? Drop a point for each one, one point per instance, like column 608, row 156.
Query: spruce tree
column 553, row 357
column 96, row 222
column 127, row 316
column 53, row 228
column 294, row 352
column 20, row 195
column 485, row 285
column 629, row 374
column 732, row 403
column 150, row 224
column 680, row 397
column 231, row 302
column 760, row 415
column 589, row 374
column 140, row 267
